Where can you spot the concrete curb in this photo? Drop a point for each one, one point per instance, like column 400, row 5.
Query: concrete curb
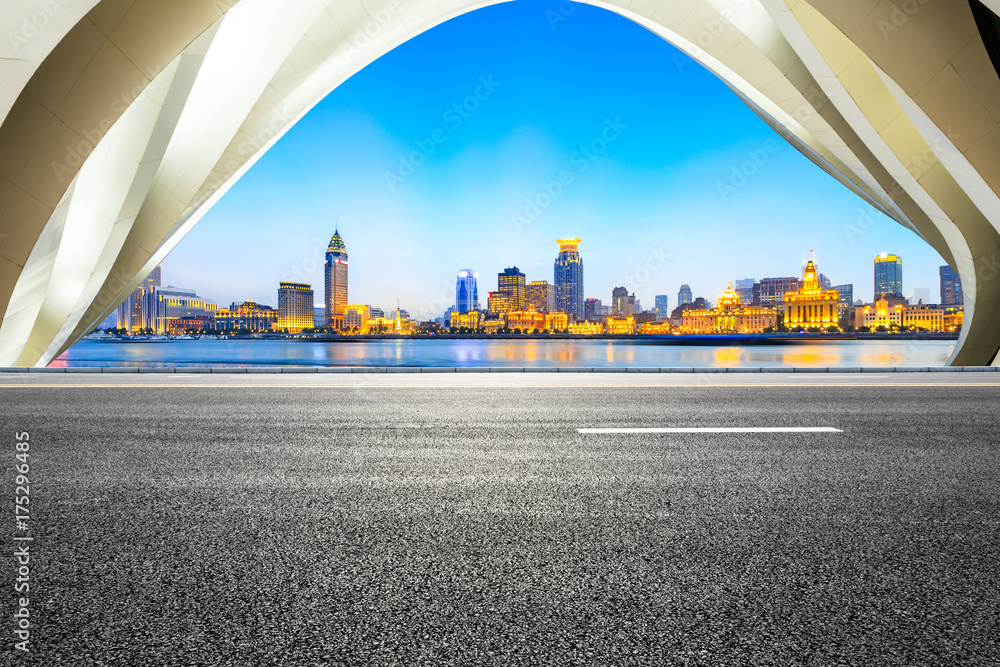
column 443, row 369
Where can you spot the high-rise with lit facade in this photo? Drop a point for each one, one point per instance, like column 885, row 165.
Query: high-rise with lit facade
column 888, row 276
column 295, row 306
column 684, row 296
column 569, row 279
column 466, row 291
column 541, row 294
column 951, row 287
column 335, row 302
column 134, row 313
column 510, row 290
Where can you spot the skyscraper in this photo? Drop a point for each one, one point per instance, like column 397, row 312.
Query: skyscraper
column 622, row 303
column 744, row 289
column 510, row 288
column 684, row 296
column 593, row 311
column 335, row 303
column 569, row 279
column 888, row 276
column 466, row 291
column 951, row 287
column 295, row 306
column 662, row 305
column 134, row 313
column 541, row 295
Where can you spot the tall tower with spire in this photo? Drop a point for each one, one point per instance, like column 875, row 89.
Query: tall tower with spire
column 335, row 303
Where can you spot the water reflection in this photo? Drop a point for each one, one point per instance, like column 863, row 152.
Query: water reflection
column 497, row 352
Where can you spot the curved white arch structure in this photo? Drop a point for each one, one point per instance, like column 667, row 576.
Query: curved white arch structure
column 125, row 121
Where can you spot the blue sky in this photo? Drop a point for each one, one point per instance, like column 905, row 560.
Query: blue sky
column 645, row 141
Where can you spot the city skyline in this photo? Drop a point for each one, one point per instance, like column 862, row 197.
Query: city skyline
column 693, row 172
column 514, row 289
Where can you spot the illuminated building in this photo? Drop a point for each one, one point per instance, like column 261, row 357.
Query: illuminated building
column 622, row 303
column 295, row 307
column 165, row 304
column 812, row 306
column 684, row 296
column 653, row 328
column 248, row 315
column 888, row 275
column 928, row 318
column 183, row 325
column 953, row 318
column 621, row 325
column 470, row 320
column 492, row 326
column 951, row 287
column 541, row 295
column 526, row 320
column 729, row 316
column 466, row 291
column 586, row 328
column 133, row 314
column 888, row 314
column 499, row 302
column 381, row 325
column 556, row 321
column 356, row 318
column 510, row 287
column 335, row 274
column 569, row 278
column 773, row 290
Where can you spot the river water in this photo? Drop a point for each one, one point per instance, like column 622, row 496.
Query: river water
column 503, row 353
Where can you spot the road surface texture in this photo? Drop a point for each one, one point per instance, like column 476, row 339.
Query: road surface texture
column 466, row 520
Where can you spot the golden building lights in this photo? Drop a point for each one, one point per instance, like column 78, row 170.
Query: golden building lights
column 729, row 316
column 356, row 319
column 295, row 307
column 811, row 306
column 621, row 326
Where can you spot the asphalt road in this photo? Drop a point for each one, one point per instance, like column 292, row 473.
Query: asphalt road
column 424, row 520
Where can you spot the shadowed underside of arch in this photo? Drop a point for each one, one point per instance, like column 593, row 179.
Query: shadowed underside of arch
column 124, row 121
